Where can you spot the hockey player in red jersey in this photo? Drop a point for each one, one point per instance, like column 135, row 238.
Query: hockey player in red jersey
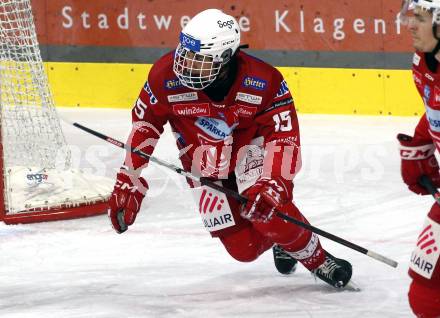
column 417, row 152
column 234, row 120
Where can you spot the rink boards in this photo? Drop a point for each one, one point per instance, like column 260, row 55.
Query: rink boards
column 315, row 90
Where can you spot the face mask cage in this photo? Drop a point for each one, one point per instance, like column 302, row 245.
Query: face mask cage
column 405, row 15
column 195, row 70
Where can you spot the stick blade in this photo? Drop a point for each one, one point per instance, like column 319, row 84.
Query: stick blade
column 383, row 259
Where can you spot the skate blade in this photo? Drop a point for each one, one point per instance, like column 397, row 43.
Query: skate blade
column 352, row 286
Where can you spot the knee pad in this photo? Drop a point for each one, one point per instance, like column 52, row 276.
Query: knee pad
column 281, row 231
column 246, row 245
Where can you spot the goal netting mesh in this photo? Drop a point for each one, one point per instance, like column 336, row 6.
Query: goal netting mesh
column 37, row 172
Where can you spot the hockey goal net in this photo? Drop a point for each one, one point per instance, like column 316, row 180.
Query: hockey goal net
column 38, row 182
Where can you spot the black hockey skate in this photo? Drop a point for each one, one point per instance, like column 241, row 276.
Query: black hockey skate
column 334, row 271
column 284, row 263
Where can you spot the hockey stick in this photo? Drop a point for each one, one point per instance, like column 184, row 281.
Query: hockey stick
column 236, row 196
column 426, row 182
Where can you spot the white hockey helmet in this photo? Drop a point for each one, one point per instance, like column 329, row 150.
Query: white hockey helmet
column 207, row 43
column 430, row 5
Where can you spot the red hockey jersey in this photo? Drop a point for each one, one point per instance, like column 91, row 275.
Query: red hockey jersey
column 211, row 135
column 425, row 264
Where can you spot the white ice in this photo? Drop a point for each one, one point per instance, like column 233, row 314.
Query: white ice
column 167, row 265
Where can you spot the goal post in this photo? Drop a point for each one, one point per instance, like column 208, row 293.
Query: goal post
column 38, row 182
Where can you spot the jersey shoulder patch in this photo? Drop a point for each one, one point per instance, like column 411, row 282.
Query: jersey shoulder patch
column 416, row 59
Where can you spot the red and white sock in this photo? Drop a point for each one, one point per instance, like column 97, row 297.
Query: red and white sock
column 308, row 251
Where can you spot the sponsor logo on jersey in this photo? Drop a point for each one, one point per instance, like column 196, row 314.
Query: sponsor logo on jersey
column 417, row 78
column 433, row 117
column 283, row 89
column 172, row 84
column 427, row 242
column 192, row 110
column 254, row 159
column 215, row 211
column 249, row 169
column 249, row 98
column 426, row 94
column 254, row 164
column 282, row 102
column 255, row 83
column 279, row 104
column 179, row 138
column 245, row 111
column 209, row 202
column 153, row 99
column 141, row 126
column 215, row 128
column 215, row 156
column 436, row 96
column 429, row 76
column 189, row 42
column 290, row 141
column 221, row 106
column 416, row 59
column 427, row 251
column 191, row 96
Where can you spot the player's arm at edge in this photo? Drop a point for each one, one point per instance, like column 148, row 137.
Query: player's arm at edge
column 148, row 119
column 278, row 125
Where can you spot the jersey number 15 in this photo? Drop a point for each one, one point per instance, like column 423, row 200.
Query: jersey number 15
column 283, row 121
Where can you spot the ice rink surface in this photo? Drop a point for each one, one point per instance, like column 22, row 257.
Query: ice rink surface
column 167, row 265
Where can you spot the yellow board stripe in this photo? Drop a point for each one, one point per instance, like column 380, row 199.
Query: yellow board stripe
column 315, row 90
column 96, row 84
